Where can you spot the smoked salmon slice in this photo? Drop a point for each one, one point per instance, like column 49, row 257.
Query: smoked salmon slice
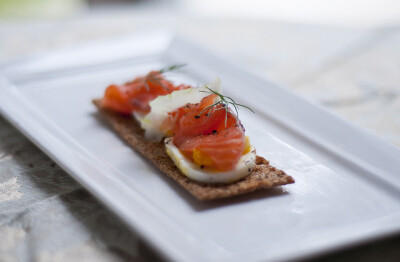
column 135, row 96
column 212, row 137
column 209, row 134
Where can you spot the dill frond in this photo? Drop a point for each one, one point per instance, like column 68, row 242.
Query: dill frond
column 224, row 101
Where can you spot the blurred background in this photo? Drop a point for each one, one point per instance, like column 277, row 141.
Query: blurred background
column 354, row 13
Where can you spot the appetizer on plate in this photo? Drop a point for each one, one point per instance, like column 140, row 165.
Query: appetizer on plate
column 190, row 133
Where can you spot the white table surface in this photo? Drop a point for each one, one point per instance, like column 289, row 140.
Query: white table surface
column 46, row 216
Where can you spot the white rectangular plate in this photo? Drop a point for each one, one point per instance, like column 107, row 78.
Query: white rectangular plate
column 347, row 186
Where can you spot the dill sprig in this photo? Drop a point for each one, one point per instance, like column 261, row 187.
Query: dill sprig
column 171, row 68
column 155, row 78
column 224, row 101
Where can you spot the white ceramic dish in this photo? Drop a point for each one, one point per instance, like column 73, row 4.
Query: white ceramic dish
column 347, row 186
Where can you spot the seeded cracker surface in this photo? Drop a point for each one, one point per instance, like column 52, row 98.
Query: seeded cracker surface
column 263, row 175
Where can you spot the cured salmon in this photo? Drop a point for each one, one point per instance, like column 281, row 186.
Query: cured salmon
column 208, row 134
column 135, row 96
column 211, row 136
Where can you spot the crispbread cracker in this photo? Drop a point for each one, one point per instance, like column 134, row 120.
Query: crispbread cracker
column 263, row 175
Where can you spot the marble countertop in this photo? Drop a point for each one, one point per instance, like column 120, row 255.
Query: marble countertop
column 46, row 216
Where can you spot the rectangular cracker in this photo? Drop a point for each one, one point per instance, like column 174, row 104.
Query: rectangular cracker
column 263, row 175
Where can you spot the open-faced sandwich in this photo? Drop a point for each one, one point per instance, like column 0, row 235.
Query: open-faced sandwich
column 190, row 133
